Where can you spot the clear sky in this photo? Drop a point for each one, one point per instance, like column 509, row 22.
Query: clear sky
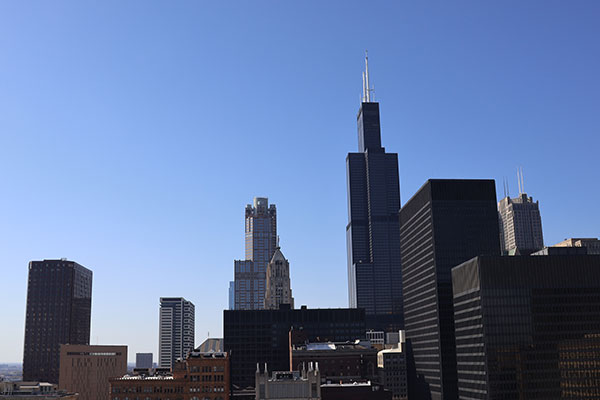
column 133, row 134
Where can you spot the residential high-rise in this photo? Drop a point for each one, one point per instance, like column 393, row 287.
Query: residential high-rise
column 372, row 233
column 279, row 290
column 528, row 327
column 176, row 330
column 261, row 241
column 520, row 225
column 59, row 304
column 444, row 224
column 86, row 369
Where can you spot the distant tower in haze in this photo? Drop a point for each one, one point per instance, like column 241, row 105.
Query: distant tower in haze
column 59, row 305
column 520, row 223
column 261, row 241
column 279, row 290
column 176, row 330
column 372, row 233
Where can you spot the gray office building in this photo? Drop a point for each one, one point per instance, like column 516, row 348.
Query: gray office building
column 520, row 225
column 261, row 242
column 144, row 360
column 446, row 223
column 528, row 327
column 59, row 305
column 372, row 233
column 176, row 330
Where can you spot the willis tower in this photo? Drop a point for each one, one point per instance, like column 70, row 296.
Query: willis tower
column 373, row 232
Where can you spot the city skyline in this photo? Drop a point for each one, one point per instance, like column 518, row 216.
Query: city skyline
column 110, row 158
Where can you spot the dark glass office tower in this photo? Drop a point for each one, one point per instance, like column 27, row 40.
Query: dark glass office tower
column 372, row 233
column 263, row 336
column 446, row 223
column 59, row 305
column 528, row 327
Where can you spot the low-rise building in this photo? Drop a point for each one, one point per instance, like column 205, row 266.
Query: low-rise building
column 284, row 385
column 354, row 391
column 338, row 361
column 86, row 369
column 202, row 376
column 34, row 391
column 592, row 244
column 144, row 360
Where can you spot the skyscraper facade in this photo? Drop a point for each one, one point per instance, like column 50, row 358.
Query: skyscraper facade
column 59, row 304
column 528, row 327
column 279, row 290
column 520, row 225
column 444, row 224
column 261, row 241
column 372, row 233
column 176, row 330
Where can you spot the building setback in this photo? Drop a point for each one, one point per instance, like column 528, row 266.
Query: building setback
column 176, row 330
column 86, row 369
column 372, row 234
column 59, row 304
column 520, row 225
column 528, row 327
column 263, row 336
column 444, row 224
column 261, row 241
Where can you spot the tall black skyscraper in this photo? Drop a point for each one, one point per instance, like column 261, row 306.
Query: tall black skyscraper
column 446, row 223
column 59, row 305
column 372, row 233
column 528, row 327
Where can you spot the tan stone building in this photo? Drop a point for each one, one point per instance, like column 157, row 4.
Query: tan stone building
column 279, row 290
column 86, row 369
column 592, row 244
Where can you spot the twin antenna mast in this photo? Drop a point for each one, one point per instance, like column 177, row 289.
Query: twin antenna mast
column 520, row 181
column 367, row 89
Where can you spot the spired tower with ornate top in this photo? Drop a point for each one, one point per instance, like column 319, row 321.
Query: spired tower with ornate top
column 279, row 290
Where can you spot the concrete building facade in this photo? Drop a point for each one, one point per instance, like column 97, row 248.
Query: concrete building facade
column 283, row 385
column 591, row 244
column 279, row 288
column 176, row 330
column 87, row 369
column 59, row 306
column 520, row 225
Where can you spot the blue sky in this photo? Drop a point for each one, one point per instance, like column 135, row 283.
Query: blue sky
column 132, row 135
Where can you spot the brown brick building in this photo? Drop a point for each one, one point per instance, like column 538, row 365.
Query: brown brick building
column 86, row 369
column 202, row 376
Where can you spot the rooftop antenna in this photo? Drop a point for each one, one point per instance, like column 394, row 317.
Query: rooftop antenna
column 366, row 87
column 519, row 180
column 522, row 181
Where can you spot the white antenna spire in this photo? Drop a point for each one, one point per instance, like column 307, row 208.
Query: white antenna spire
column 366, row 86
column 522, row 181
column 519, row 180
